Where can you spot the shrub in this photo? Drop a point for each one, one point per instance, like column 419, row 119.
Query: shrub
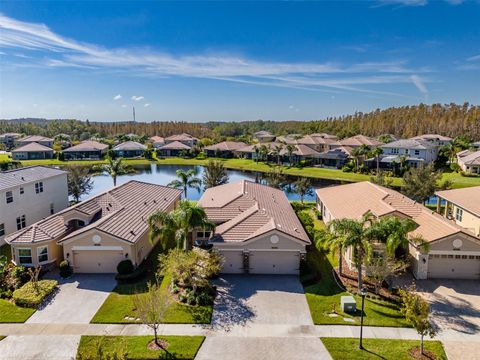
column 125, row 267
column 134, row 275
column 182, row 298
column 204, row 299
column 28, row 296
column 65, row 269
column 191, row 299
column 305, row 219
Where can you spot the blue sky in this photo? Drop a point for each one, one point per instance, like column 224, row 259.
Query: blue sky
column 230, row 61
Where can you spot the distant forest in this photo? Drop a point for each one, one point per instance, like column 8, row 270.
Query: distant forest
column 407, row 121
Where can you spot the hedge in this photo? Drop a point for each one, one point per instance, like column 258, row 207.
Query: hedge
column 27, row 296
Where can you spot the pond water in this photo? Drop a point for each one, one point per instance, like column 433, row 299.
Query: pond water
column 163, row 174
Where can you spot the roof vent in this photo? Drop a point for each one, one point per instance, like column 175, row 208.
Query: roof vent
column 296, row 229
column 164, row 199
column 23, row 178
column 145, row 203
column 154, row 201
column 110, row 204
column 132, row 232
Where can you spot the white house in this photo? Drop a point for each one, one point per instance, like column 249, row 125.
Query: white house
column 434, row 139
column 417, row 151
column 30, row 194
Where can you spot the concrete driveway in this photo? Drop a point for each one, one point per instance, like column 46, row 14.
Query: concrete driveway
column 77, row 300
column 39, row 347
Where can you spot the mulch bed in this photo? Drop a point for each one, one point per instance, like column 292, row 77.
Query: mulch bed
column 153, row 346
column 417, row 355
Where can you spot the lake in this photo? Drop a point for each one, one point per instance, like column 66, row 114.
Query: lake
column 163, row 174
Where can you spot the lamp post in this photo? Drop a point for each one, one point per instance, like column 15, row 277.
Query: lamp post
column 363, row 292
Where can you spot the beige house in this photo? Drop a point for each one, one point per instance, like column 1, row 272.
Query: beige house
column 462, row 206
column 257, row 230
column 183, row 138
column 96, row 234
column 469, row 161
column 454, row 252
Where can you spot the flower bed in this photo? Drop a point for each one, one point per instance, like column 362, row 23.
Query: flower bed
column 30, row 296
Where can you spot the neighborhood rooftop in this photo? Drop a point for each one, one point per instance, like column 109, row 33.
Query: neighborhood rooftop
column 26, row 175
column 34, row 138
column 87, row 145
column 410, row 144
column 130, row 203
column 32, row 147
column 130, row 145
column 246, row 210
column 466, row 198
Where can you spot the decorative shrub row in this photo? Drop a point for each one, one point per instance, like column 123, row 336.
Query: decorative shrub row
column 28, row 296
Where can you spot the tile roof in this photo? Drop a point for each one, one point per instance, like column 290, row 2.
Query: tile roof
column 432, row 137
column 470, row 158
column 25, row 175
column 130, row 145
column 175, row 145
column 409, row 144
column 87, row 145
column 32, row 147
column 359, row 140
column 466, row 198
column 34, row 138
column 246, row 210
column 180, row 137
column 263, row 133
column 226, row 146
column 352, row 201
column 157, row 139
column 123, row 212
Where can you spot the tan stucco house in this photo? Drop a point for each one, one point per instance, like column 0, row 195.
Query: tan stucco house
column 454, row 252
column 98, row 233
column 462, row 206
column 257, row 230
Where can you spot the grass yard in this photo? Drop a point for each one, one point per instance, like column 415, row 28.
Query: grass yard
column 347, row 348
column 5, row 249
column 326, row 294
column 10, row 313
column 180, row 347
column 119, row 307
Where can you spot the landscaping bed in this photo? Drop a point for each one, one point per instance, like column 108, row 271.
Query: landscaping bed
column 347, row 348
column 30, row 295
column 135, row 347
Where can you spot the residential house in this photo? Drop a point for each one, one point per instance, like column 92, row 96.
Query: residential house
column 301, row 152
column 255, row 151
column 42, row 140
column 225, row 149
column 32, row 151
column 416, row 153
column 335, row 158
column 8, row 140
column 462, row 206
column 257, row 230
column 157, row 141
column 357, row 141
column 175, row 148
column 129, row 149
column 86, row 150
column 435, row 139
column 469, row 161
column 454, row 252
column 264, row 136
column 29, row 194
column 98, row 233
column 184, row 138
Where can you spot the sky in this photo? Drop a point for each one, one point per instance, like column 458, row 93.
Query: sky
column 232, row 61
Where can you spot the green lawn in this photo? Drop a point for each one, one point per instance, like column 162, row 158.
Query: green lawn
column 119, row 303
column 347, row 348
column 5, row 249
column 180, row 347
column 2, row 337
column 326, row 294
column 10, row 313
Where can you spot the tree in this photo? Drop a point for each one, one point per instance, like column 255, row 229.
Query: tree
column 114, row 168
column 277, row 152
column 290, row 149
column 420, row 183
column 257, row 152
column 303, row 187
column 376, row 153
column 382, row 179
column 79, row 182
column 391, row 231
column 383, row 268
column 276, row 178
column 214, row 174
column 185, row 180
column 178, row 224
column 150, row 308
column 417, row 311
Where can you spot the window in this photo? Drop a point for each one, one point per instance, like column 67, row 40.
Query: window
column 394, row 151
column 42, row 253
column 407, row 151
column 9, row 197
column 22, row 191
column 2, row 229
column 39, row 187
column 21, row 222
column 417, row 152
column 459, row 214
column 203, row 234
column 25, row 256
column 52, row 209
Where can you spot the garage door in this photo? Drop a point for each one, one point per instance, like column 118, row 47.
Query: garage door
column 274, row 262
column 233, row 262
column 98, row 261
column 454, row 266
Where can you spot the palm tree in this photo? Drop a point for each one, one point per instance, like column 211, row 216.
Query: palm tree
column 114, row 168
column 185, row 180
column 290, row 149
column 214, row 174
column 276, row 178
column 376, row 153
column 178, row 224
column 264, row 152
column 257, row 152
column 276, row 152
column 393, row 232
column 303, row 187
column 356, row 153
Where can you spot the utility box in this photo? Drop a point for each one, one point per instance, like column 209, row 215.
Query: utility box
column 348, row 304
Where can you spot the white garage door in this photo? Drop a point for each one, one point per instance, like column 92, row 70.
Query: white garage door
column 233, row 262
column 454, row 266
column 98, row 261
column 274, row 262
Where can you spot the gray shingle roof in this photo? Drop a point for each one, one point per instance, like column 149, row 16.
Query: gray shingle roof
column 409, row 144
column 25, row 175
column 87, row 145
column 130, row 145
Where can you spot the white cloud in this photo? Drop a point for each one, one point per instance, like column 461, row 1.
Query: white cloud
column 415, row 2
column 117, row 97
column 418, row 82
column 474, row 58
column 146, row 105
column 124, row 106
column 58, row 51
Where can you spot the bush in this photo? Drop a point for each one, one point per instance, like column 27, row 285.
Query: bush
column 65, row 269
column 125, row 267
column 204, row 299
column 136, row 274
column 305, row 219
column 28, row 296
column 191, row 299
